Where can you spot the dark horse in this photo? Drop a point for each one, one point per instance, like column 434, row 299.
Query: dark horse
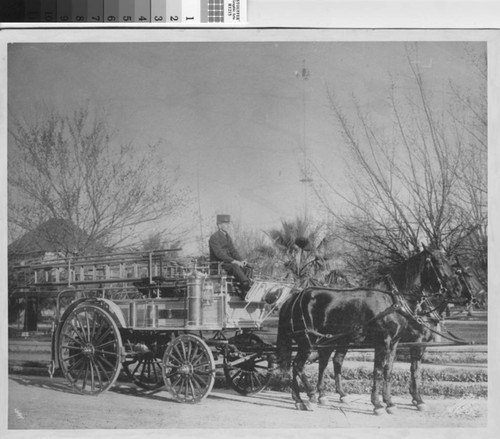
column 322, row 320
column 425, row 315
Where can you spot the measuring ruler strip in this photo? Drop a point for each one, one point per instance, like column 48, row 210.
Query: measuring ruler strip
column 186, row 12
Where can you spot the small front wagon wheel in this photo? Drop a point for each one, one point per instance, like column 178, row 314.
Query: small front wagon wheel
column 188, row 369
column 145, row 370
column 247, row 369
column 90, row 349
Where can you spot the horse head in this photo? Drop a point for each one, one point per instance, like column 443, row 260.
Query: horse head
column 439, row 278
column 428, row 281
column 472, row 287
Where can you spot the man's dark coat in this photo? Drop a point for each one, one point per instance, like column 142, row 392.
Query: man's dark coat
column 222, row 248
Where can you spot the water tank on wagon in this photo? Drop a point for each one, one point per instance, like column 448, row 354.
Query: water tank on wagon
column 205, row 301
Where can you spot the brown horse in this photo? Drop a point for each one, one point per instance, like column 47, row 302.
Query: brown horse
column 321, row 320
column 424, row 319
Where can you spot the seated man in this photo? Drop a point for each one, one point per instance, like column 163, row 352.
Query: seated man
column 222, row 250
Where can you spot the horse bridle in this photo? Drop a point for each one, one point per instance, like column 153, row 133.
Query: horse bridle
column 443, row 291
column 462, row 274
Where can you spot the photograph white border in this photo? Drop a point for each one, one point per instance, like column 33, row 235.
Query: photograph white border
column 477, row 27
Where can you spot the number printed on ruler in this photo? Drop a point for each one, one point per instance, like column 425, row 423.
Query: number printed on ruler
column 218, row 12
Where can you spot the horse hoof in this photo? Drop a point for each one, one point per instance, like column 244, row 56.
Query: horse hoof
column 323, row 401
column 379, row 411
column 343, row 399
column 422, row 407
column 308, row 406
column 304, row 406
column 391, row 409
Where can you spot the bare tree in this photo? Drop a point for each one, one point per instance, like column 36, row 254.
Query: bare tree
column 408, row 185
column 471, row 114
column 69, row 167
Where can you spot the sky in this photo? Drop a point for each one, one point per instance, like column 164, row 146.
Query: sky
column 237, row 117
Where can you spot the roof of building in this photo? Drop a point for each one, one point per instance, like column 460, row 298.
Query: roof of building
column 54, row 235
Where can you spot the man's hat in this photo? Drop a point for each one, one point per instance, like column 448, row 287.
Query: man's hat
column 223, row 219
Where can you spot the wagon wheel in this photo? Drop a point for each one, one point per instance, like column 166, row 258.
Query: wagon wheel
column 188, row 368
column 251, row 375
column 90, row 349
column 145, row 368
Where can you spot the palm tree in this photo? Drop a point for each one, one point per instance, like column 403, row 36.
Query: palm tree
column 303, row 252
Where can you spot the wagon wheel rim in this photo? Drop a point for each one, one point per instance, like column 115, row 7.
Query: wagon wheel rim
column 90, row 349
column 253, row 374
column 145, row 370
column 188, row 369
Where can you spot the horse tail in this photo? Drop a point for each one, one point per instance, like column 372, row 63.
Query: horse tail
column 284, row 339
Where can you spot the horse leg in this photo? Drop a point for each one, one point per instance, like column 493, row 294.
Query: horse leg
column 324, row 356
column 416, row 354
column 378, row 378
column 386, row 393
column 338, row 360
column 298, row 373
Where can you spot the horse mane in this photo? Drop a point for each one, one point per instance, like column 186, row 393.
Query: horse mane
column 407, row 275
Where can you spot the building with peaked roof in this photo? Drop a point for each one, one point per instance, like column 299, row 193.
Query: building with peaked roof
column 53, row 238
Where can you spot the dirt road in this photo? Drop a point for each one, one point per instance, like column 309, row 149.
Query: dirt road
column 40, row 403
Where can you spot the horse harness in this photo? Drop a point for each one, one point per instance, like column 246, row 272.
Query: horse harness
column 400, row 306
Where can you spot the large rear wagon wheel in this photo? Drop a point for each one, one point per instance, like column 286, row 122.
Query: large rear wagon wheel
column 247, row 370
column 188, row 369
column 90, row 349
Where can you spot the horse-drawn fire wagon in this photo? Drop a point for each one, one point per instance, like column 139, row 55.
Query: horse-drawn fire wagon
column 170, row 324
column 164, row 323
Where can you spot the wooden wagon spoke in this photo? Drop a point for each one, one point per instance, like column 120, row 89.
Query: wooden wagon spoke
column 77, row 331
column 78, row 341
column 258, row 366
column 199, row 381
column 171, row 374
column 98, row 363
column 69, row 347
column 256, row 377
column 178, row 352
column 91, row 370
column 98, row 373
column 107, row 362
column 199, row 358
column 102, row 337
column 155, row 371
column 172, row 359
column 94, row 328
column 84, row 382
column 110, row 342
column 89, row 331
column 71, row 357
column 76, row 364
column 186, row 388
column 201, row 365
column 193, row 391
column 81, row 327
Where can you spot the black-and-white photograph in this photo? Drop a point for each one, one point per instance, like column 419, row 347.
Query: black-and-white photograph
column 267, row 231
